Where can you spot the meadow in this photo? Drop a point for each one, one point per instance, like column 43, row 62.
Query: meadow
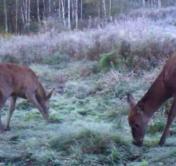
column 91, row 71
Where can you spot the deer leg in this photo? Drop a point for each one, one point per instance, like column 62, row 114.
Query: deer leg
column 2, row 129
column 11, row 110
column 32, row 98
column 171, row 116
column 1, row 125
column 2, row 102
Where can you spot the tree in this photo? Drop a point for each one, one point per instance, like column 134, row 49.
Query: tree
column 5, row 16
column 69, row 14
column 21, row 15
column 63, row 12
column 16, row 16
column 104, row 8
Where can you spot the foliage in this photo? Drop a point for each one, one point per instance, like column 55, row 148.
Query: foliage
column 108, row 60
column 136, row 43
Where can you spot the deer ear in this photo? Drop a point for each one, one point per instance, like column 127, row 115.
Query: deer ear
column 50, row 93
column 131, row 100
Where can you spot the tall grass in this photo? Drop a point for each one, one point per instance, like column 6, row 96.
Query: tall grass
column 147, row 40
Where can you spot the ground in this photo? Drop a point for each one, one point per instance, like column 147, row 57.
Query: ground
column 91, row 128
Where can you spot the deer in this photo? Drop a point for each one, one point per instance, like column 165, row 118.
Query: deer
column 20, row 81
column 140, row 113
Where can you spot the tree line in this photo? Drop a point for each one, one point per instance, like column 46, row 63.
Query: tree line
column 20, row 16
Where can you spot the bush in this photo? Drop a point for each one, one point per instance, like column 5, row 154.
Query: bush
column 108, row 60
column 139, row 43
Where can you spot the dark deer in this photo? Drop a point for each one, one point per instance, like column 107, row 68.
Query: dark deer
column 20, row 81
column 163, row 88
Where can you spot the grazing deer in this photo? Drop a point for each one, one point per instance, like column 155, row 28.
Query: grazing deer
column 163, row 88
column 19, row 81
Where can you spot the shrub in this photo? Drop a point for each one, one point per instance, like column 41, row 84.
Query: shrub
column 139, row 43
column 108, row 60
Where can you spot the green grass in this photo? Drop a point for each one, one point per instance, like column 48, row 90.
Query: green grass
column 89, row 126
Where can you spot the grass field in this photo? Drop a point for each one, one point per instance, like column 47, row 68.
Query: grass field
column 89, row 101
column 91, row 129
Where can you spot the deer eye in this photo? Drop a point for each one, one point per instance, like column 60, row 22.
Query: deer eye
column 136, row 126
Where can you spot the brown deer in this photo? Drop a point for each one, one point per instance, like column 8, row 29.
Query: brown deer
column 163, row 88
column 20, row 81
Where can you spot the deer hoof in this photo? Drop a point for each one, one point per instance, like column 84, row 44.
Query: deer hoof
column 7, row 129
column 161, row 142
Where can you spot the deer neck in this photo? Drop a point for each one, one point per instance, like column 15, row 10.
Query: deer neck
column 155, row 96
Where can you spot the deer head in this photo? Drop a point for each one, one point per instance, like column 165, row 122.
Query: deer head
column 136, row 120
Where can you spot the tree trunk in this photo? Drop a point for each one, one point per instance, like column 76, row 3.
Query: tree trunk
column 38, row 11
column 143, row 3
column 104, row 8
column 16, row 16
column 99, row 8
column 159, row 3
column 81, row 10
column 76, row 14
column 26, row 11
column 59, row 9
column 44, row 9
column 110, row 8
column 29, row 12
column 5, row 16
column 22, row 15
column 49, row 6
column 63, row 12
column 69, row 16
column 72, row 8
